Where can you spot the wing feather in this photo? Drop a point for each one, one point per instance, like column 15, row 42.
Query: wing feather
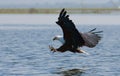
column 70, row 33
column 92, row 38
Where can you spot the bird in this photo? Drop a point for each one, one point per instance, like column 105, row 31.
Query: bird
column 72, row 39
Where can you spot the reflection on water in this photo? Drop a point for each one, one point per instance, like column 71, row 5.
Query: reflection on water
column 72, row 72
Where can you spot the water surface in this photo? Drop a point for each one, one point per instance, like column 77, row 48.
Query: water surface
column 24, row 52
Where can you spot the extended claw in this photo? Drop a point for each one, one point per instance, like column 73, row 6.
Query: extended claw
column 52, row 49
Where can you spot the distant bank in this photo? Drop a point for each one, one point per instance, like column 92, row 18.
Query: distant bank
column 56, row 10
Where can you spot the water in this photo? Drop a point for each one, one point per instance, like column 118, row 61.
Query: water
column 24, row 52
column 49, row 19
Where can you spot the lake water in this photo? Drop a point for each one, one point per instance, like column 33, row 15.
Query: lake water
column 24, row 41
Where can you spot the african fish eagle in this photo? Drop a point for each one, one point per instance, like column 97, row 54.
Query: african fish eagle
column 72, row 39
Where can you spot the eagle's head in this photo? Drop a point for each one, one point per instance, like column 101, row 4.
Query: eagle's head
column 59, row 38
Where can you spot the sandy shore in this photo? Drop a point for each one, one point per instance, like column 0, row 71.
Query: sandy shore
column 56, row 10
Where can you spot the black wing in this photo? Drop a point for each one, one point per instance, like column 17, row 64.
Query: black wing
column 70, row 33
column 66, row 24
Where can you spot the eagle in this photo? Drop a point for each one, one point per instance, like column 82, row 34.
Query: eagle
column 72, row 39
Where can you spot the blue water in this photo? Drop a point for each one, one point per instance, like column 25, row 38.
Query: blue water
column 25, row 52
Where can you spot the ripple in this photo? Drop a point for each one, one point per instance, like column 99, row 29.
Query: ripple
column 26, row 53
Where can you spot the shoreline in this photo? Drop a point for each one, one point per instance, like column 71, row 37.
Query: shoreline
column 57, row 10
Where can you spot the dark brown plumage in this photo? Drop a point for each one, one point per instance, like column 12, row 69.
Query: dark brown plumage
column 73, row 38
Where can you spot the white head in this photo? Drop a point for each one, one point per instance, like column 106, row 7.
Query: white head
column 59, row 38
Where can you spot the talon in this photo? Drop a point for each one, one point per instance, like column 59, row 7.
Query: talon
column 52, row 48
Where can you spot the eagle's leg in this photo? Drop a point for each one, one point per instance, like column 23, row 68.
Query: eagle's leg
column 52, row 49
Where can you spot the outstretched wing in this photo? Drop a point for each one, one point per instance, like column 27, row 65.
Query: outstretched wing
column 91, row 38
column 66, row 24
column 70, row 33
